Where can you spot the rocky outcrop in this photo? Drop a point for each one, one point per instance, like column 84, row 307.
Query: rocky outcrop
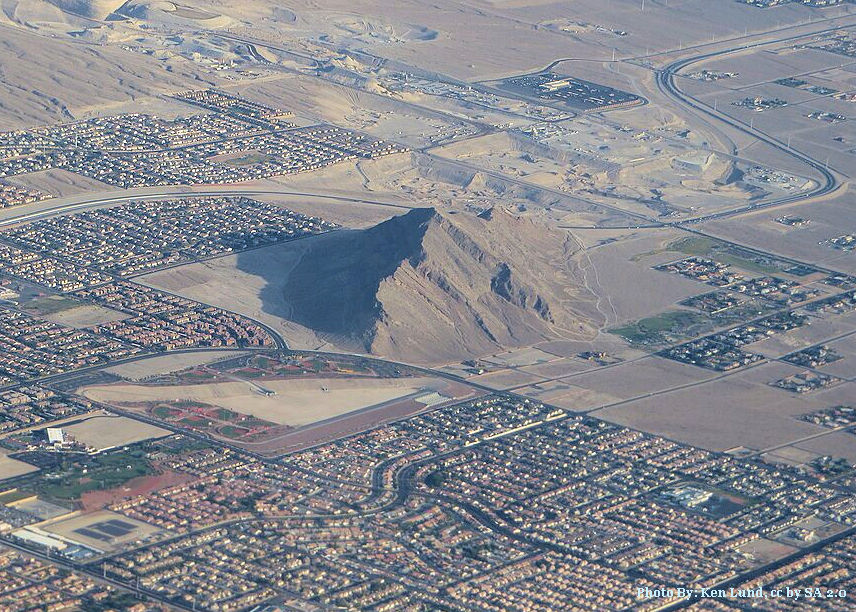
column 433, row 287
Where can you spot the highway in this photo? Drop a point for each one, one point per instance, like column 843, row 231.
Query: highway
column 667, row 85
column 58, row 206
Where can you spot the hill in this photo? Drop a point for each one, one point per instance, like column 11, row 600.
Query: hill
column 430, row 287
column 94, row 9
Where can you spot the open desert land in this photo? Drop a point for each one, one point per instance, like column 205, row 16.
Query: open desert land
column 518, row 369
column 621, row 274
column 790, row 455
column 294, row 403
column 830, row 329
column 741, row 409
column 385, row 184
column 357, row 210
column 313, row 100
column 108, row 431
column 167, row 364
column 835, row 444
column 505, row 379
column 562, row 367
column 251, row 283
column 85, row 76
column 520, row 357
column 86, row 316
column 543, row 31
column 613, row 346
column 58, row 183
column 592, row 388
column 9, row 468
column 758, row 72
column 828, row 218
column 71, row 312
column 631, row 379
column 566, row 395
column 845, row 348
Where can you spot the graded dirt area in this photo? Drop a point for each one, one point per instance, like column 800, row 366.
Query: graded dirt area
column 86, row 316
column 12, row 467
column 108, row 431
column 166, row 364
column 295, row 403
column 70, row 312
column 250, row 283
column 58, row 182
column 727, row 411
column 142, row 485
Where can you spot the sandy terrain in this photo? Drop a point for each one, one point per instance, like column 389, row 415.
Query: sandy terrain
column 46, row 80
column 166, row 364
column 836, row 444
column 85, row 316
column 58, row 182
column 521, row 357
column 505, row 379
column 626, row 380
column 296, row 403
column 829, row 217
column 741, row 409
column 347, row 211
column 13, row 467
column 250, row 284
column 108, row 431
column 567, row 396
column 622, row 277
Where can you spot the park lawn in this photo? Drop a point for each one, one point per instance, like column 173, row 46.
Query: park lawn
column 102, row 472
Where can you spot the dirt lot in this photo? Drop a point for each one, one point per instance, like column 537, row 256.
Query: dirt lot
column 741, row 409
column 12, row 467
column 108, row 431
column 166, row 364
column 295, row 403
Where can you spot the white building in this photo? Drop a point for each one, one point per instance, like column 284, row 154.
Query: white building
column 55, row 435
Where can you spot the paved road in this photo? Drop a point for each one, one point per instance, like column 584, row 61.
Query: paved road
column 58, row 206
column 668, row 85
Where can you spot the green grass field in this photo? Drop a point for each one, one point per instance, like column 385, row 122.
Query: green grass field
column 95, row 473
column 653, row 330
column 727, row 254
column 49, row 305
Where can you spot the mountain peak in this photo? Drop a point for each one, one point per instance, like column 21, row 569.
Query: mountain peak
column 429, row 286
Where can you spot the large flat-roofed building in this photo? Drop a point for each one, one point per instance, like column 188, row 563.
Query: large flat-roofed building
column 55, row 435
